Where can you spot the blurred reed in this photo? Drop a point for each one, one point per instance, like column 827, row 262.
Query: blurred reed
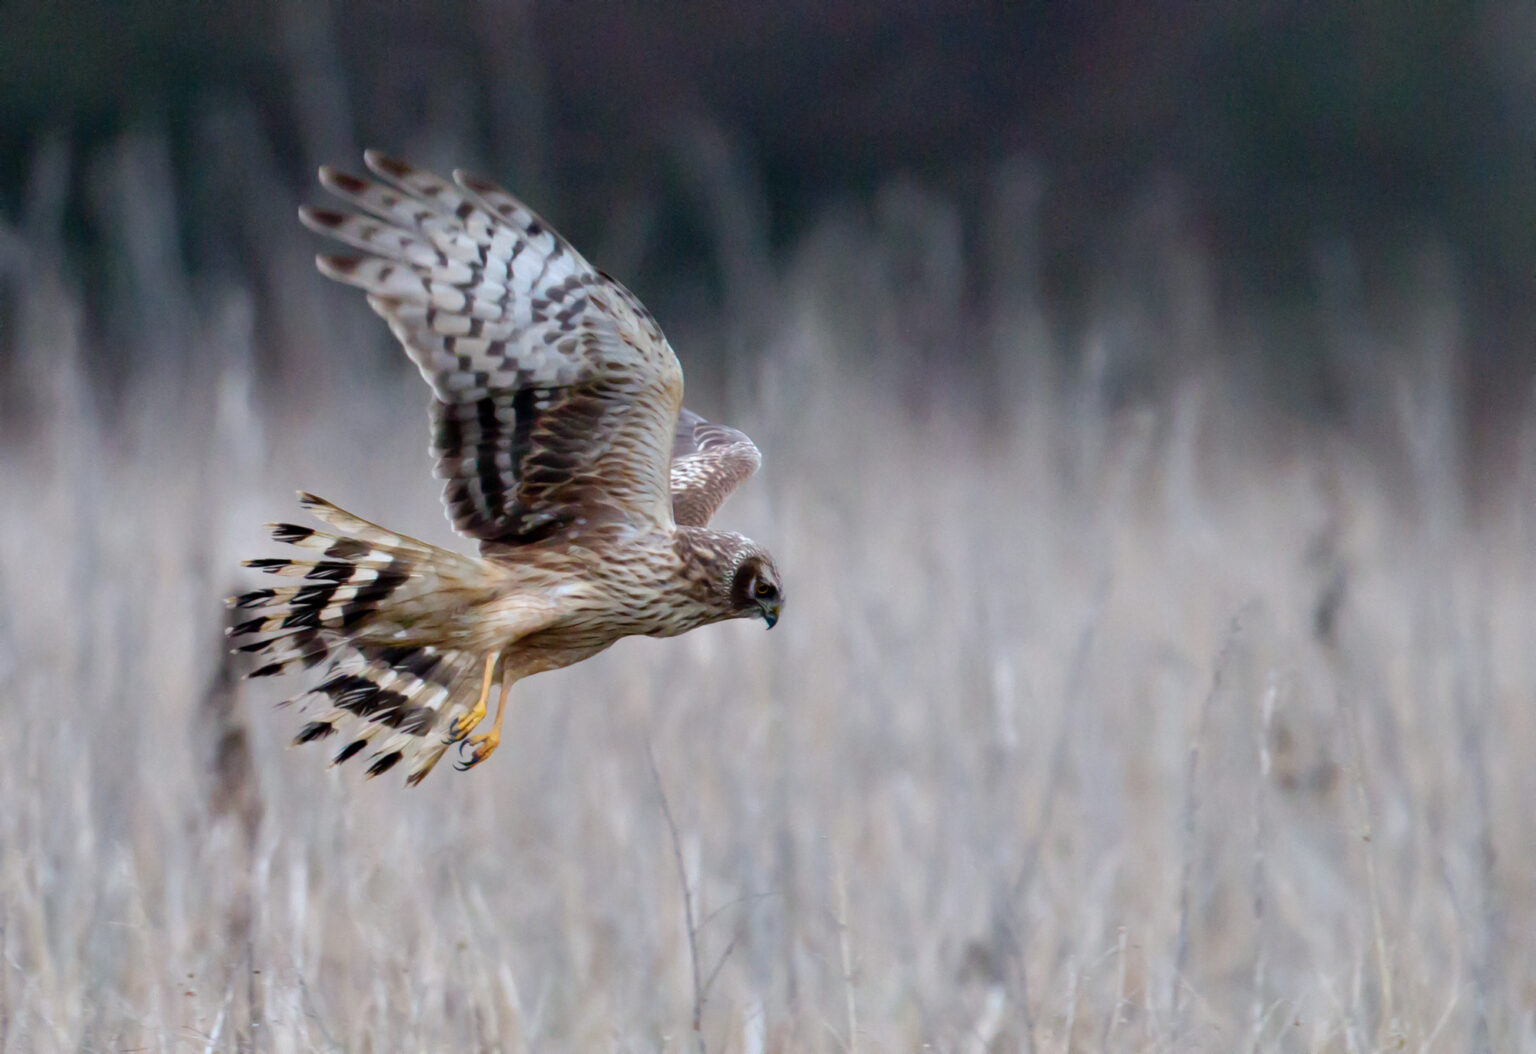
column 1116, row 706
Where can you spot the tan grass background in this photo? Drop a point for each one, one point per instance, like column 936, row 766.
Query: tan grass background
column 1113, row 708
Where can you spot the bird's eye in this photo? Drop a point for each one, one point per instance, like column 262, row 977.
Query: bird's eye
column 765, row 589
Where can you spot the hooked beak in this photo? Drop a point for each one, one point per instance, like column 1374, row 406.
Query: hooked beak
column 770, row 609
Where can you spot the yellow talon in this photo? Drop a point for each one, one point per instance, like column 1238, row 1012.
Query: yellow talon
column 486, row 742
column 465, row 723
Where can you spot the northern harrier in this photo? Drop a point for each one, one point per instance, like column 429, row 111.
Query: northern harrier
column 557, row 422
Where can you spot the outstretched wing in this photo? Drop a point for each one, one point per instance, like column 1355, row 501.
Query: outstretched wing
column 708, row 462
column 555, row 391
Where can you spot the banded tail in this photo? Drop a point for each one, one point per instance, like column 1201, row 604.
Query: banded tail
column 385, row 611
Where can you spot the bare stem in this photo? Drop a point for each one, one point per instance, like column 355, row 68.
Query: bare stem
column 850, row 1006
column 1357, row 765
column 699, row 991
column 1055, row 779
column 1115, row 1010
column 1181, row 948
column 1260, row 833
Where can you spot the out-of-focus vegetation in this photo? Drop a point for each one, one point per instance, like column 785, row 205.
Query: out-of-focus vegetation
column 1298, row 138
column 1149, row 454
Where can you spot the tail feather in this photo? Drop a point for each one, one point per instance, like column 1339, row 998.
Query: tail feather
column 364, row 575
column 406, row 695
column 380, row 607
column 365, row 530
column 300, row 651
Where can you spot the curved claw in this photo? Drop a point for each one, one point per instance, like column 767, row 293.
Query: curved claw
column 466, row 722
column 484, row 746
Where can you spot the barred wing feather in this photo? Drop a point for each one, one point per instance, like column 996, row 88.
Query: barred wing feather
column 556, row 394
column 709, row 461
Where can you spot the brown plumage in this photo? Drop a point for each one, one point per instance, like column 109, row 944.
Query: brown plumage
column 558, row 428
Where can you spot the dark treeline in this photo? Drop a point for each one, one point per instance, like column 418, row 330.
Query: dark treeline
column 699, row 139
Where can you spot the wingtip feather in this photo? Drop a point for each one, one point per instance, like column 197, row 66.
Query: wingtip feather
column 473, row 181
column 341, row 268
column 343, row 183
column 385, row 165
column 321, row 221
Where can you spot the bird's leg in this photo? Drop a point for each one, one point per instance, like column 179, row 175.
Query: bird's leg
column 486, row 742
column 465, row 723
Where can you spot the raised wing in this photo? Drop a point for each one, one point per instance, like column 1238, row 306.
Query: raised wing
column 708, row 462
column 556, row 392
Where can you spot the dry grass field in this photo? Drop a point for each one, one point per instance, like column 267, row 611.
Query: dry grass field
column 1113, row 707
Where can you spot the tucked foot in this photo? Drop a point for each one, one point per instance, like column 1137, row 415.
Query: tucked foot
column 486, row 742
column 465, row 723
column 484, row 745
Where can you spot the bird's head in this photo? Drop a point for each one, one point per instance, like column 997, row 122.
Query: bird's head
column 756, row 591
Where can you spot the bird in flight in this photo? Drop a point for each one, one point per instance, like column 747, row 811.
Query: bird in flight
column 558, row 427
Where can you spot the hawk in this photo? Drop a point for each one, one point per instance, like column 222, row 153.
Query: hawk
column 559, row 430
